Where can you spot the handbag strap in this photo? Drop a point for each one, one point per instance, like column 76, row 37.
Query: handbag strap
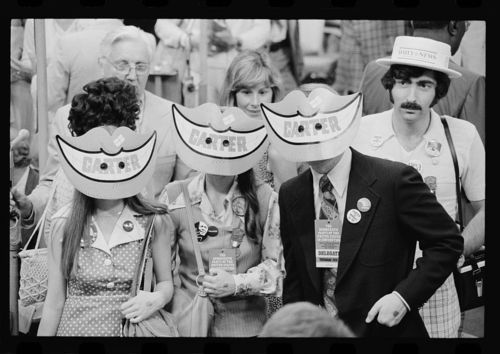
column 142, row 258
column 41, row 222
column 458, row 185
column 196, row 247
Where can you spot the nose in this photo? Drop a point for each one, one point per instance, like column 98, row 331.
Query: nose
column 255, row 99
column 412, row 93
column 132, row 74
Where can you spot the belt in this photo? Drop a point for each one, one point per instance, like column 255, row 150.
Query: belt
column 278, row 45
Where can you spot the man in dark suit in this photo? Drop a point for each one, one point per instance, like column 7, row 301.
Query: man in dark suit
column 375, row 211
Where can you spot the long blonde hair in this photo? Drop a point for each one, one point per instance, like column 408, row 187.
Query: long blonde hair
column 248, row 69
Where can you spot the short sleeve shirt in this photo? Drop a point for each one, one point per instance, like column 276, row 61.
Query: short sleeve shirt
column 432, row 157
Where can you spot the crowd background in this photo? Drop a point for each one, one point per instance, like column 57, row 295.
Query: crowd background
column 331, row 52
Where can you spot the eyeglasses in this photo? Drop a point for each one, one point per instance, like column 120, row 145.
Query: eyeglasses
column 123, row 67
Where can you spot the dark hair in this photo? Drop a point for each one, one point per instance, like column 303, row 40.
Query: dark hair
column 247, row 186
column 81, row 212
column 429, row 24
column 405, row 72
column 108, row 101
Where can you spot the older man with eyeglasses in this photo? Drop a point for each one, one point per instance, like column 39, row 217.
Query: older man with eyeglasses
column 126, row 53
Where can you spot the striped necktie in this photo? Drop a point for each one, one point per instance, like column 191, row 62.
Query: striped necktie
column 329, row 210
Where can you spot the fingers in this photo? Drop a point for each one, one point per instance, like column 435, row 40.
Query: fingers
column 373, row 312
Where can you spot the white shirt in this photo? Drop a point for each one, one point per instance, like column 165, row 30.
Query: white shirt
column 339, row 177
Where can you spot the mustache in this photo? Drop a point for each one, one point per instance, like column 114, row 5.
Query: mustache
column 411, row 105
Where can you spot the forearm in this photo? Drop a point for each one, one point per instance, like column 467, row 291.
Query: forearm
column 166, row 290
column 50, row 318
column 474, row 233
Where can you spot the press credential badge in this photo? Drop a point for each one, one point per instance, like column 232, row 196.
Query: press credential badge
column 327, row 236
column 223, row 258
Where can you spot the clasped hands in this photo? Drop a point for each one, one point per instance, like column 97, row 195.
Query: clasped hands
column 219, row 283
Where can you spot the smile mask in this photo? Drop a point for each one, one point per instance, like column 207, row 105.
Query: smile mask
column 108, row 166
column 318, row 127
column 210, row 141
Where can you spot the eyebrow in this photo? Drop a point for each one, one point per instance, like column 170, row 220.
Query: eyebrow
column 426, row 81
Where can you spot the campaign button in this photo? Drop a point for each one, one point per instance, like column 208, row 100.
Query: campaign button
column 433, row 148
column 416, row 164
column 376, row 141
column 212, row 231
column 364, row 204
column 128, row 225
column 353, row 216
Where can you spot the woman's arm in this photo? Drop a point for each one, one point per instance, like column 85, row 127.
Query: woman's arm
column 266, row 277
column 146, row 303
column 56, row 293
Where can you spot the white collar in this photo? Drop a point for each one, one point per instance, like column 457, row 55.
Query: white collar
column 119, row 235
column 338, row 176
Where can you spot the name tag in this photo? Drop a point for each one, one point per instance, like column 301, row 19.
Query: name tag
column 222, row 258
column 327, row 239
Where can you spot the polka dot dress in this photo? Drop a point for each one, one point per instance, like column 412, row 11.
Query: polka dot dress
column 101, row 284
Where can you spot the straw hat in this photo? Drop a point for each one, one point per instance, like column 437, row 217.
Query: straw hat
column 421, row 52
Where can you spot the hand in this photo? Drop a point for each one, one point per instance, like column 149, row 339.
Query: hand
column 390, row 310
column 219, row 283
column 17, row 65
column 22, row 202
column 143, row 305
column 223, row 39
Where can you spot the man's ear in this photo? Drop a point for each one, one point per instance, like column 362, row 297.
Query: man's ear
column 453, row 28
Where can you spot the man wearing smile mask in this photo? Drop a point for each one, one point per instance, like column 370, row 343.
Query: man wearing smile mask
column 350, row 223
column 413, row 133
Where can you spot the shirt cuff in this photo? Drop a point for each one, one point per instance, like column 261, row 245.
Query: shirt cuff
column 401, row 298
column 238, row 283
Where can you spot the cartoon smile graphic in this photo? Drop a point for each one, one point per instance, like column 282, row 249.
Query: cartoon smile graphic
column 220, row 143
column 100, row 164
column 312, row 128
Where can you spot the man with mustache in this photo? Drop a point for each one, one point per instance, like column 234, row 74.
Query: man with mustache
column 413, row 133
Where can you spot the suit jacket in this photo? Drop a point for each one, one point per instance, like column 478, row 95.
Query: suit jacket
column 377, row 253
column 464, row 100
column 157, row 116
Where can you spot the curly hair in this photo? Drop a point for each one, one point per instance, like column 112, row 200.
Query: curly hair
column 405, row 72
column 108, row 101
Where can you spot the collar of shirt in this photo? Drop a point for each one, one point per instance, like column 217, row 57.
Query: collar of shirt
column 339, row 177
column 119, row 235
column 384, row 130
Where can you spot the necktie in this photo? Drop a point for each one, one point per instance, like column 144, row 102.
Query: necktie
column 329, row 210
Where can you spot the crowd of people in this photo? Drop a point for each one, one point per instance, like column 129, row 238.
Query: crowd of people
column 313, row 209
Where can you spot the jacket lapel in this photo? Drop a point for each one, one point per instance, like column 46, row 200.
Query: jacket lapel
column 302, row 207
column 360, row 180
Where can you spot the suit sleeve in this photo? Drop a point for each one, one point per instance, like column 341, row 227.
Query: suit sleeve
column 292, row 291
column 473, row 109
column 422, row 218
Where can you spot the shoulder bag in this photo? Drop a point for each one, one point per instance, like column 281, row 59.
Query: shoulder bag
column 193, row 315
column 159, row 324
column 469, row 278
